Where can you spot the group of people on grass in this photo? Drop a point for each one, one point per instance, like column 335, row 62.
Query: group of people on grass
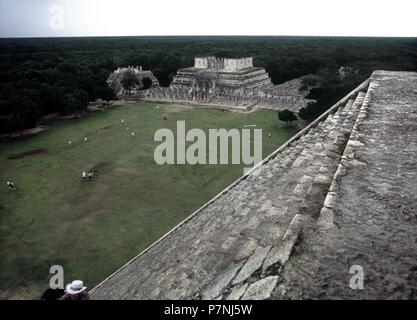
column 88, row 175
column 11, row 185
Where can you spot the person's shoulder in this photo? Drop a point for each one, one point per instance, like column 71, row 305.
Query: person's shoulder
column 85, row 296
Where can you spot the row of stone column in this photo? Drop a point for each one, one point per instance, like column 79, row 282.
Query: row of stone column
column 229, row 98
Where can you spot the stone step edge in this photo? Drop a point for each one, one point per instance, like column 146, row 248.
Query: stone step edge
column 326, row 217
column 280, row 253
column 273, row 255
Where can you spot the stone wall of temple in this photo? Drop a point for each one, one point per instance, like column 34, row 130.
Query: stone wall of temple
column 115, row 78
column 225, row 64
column 237, row 64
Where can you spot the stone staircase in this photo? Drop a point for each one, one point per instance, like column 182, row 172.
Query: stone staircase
column 295, row 183
column 368, row 219
column 236, row 245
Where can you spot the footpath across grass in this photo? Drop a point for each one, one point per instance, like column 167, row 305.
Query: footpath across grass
column 91, row 228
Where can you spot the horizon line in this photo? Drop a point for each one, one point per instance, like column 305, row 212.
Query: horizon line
column 213, row 36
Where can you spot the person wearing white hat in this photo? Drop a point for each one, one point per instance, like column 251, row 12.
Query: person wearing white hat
column 75, row 291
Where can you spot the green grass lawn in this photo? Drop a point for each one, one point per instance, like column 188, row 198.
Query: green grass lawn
column 92, row 228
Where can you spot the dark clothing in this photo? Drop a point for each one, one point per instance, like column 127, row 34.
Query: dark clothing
column 80, row 296
column 53, row 294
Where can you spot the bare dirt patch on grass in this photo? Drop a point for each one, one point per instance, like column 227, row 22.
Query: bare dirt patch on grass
column 68, row 225
column 100, row 167
column 99, row 192
column 28, row 154
column 105, row 128
column 24, row 134
column 174, row 108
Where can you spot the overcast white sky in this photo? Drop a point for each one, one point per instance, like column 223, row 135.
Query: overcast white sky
column 45, row 18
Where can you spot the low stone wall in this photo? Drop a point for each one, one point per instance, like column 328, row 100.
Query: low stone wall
column 227, row 99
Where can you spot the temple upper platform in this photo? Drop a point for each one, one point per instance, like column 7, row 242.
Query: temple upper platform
column 223, row 64
column 210, row 73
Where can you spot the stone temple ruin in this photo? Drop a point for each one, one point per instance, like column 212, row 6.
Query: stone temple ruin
column 211, row 75
column 223, row 82
column 341, row 193
column 115, row 80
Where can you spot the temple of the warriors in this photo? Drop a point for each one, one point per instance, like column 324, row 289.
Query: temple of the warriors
column 337, row 200
column 218, row 82
column 210, row 74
